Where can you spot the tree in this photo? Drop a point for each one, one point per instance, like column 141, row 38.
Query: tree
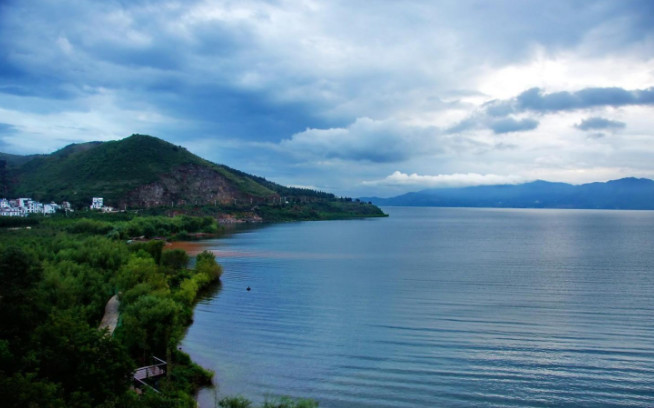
column 140, row 268
column 90, row 366
column 174, row 259
column 20, row 306
column 206, row 264
column 151, row 325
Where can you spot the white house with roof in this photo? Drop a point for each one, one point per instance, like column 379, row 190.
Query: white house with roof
column 34, row 207
column 23, row 202
column 22, row 207
column 97, row 203
column 51, row 208
column 12, row 212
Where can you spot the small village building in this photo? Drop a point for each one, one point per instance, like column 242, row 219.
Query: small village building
column 34, row 207
column 22, row 207
column 12, row 212
column 51, row 208
column 97, row 203
column 22, row 202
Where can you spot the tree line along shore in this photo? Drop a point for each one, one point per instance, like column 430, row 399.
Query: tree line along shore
column 59, row 272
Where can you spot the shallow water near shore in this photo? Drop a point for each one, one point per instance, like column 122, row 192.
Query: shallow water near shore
column 436, row 307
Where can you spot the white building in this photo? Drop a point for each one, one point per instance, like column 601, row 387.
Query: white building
column 22, row 202
column 22, row 207
column 12, row 212
column 51, row 208
column 97, row 203
column 34, row 207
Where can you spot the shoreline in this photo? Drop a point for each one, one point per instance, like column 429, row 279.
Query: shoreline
column 192, row 249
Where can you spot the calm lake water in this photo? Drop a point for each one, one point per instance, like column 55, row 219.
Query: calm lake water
column 436, row 307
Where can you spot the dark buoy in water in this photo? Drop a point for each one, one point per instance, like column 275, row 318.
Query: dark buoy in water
column 248, row 289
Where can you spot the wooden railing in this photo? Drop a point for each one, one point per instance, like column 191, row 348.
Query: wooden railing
column 147, row 372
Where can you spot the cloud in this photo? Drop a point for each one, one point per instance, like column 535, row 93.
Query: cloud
column 364, row 140
column 6, row 128
column 508, row 125
column 482, row 120
column 399, row 178
column 498, row 115
column 355, row 87
column 597, row 123
column 536, row 100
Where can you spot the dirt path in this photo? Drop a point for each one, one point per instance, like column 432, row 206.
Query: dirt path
column 110, row 318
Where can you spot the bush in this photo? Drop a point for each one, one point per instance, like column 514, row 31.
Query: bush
column 206, row 264
column 287, row 402
column 281, row 402
column 154, row 248
column 88, row 226
column 174, row 259
column 235, row 402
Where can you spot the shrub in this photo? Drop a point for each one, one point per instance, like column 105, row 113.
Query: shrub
column 235, row 402
column 206, row 264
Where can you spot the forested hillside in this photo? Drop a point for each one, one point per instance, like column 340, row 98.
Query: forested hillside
column 57, row 276
column 144, row 172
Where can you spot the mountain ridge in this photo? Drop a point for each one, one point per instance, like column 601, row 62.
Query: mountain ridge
column 628, row 193
column 143, row 171
column 118, row 170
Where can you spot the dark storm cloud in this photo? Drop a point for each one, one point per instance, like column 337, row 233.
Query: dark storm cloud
column 597, row 123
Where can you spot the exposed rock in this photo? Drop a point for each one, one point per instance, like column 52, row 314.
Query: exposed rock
column 188, row 184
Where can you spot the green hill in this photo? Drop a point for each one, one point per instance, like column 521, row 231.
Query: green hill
column 115, row 170
column 146, row 172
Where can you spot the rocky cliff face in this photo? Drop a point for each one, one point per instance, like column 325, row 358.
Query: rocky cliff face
column 188, row 184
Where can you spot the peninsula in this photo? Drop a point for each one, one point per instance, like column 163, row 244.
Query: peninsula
column 145, row 173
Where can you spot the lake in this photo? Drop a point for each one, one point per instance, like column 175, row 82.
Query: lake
column 431, row 307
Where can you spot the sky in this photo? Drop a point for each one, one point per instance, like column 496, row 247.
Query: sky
column 353, row 97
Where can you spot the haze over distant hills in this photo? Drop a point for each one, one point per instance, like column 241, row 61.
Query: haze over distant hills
column 627, row 193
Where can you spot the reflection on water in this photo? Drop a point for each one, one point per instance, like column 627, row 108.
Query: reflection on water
column 436, row 307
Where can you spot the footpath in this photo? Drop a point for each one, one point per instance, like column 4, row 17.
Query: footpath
column 110, row 318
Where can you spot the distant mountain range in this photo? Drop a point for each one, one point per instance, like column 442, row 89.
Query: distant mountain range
column 142, row 171
column 627, row 193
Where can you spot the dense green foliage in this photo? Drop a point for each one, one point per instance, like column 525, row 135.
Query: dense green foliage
column 132, row 225
column 281, row 402
column 291, row 210
column 114, row 170
column 14, row 160
column 111, row 169
column 57, row 277
column 319, row 210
